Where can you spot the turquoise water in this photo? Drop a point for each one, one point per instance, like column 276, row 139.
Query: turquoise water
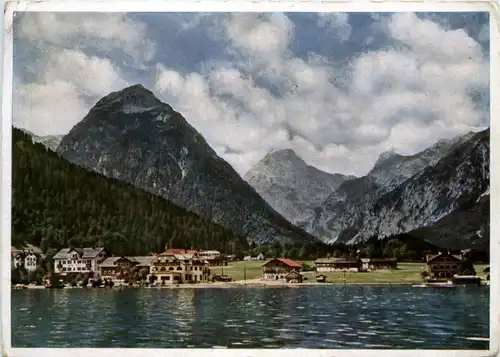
column 261, row 317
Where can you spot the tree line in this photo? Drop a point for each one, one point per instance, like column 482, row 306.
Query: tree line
column 57, row 204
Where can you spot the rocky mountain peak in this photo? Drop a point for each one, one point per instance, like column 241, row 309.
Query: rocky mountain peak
column 133, row 99
column 130, row 135
column 387, row 155
column 283, row 156
column 291, row 186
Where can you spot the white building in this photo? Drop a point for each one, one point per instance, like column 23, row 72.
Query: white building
column 79, row 260
column 30, row 261
column 209, row 253
column 25, row 258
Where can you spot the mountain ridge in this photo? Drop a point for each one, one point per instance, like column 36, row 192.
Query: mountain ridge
column 290, row 185
column 132, row 136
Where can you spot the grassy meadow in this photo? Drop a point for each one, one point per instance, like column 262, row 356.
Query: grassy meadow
column 407, row 273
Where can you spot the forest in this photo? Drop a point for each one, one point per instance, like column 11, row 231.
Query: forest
column 57, row 204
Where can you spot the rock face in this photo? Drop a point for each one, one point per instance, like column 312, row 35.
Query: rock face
column 290, row 186
column 51, row 142
column 403, row 193
column 132, row 136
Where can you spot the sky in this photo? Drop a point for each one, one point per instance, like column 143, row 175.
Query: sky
column 337, row 88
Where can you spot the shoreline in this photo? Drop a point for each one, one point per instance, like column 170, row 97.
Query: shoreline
column 244, row 285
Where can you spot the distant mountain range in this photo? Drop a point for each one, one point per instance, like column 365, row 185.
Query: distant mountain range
column 404, row 193
column 440, row 194
column 132, row 136
column 290, row 186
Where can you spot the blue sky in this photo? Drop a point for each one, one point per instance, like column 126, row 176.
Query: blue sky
column 338, row 88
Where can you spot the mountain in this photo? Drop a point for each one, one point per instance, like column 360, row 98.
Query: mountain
column 403, row 193
column 290, row 186
column 51, row 142
column 132, row 136
column 56, row 204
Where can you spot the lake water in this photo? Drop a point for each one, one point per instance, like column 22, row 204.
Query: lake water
column 261, row 317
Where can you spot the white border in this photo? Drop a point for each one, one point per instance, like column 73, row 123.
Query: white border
column 240, row 6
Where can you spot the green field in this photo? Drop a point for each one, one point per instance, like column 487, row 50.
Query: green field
column 407, row 273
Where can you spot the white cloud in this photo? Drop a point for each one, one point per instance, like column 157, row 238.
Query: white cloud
column 339, row 118
column 48, row 109
column 103, row 30
column 405, row 96
column 92, row 76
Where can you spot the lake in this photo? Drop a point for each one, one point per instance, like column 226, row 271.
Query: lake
column 261, row 317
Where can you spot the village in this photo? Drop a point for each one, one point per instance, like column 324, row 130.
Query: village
column 96, row 267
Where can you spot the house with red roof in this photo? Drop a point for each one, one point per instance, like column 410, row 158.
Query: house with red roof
column 282, row 269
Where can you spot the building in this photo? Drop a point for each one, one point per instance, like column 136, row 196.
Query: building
column 379, row 263
column 30, row 261
column 337, row 264
column 213, row 257
column 116, row 268
column 79, row 260
column 188, row 267
column 279, row 268
column 260, row 256
column 294, row 277
column 443, row 265
column 24, row 258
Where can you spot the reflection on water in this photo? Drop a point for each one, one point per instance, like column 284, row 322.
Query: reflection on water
column 261, row 317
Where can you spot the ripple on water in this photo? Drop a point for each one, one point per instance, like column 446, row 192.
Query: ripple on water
column 383, row 321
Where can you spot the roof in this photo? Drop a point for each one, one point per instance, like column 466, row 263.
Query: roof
column 286, row 261
column 430, row 257
column 379, row 260
column 335, row 260
column 173, row 251
column 141, row 261
column 84, row 253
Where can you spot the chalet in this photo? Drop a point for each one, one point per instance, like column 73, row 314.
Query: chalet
column 117, row 267
column 337, row 264
column 443, row 265
column 279, row 268
column 79, row 260
column 186, row 267
column 368, row 264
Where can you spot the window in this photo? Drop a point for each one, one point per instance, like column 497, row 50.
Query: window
column 179, row 268
column 171, row 268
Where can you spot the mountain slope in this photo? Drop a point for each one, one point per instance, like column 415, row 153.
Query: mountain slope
column 348, row 214
column 457, row 181
column 51, row 142
column 290, row 186
column 132, row 136
column 56, row 204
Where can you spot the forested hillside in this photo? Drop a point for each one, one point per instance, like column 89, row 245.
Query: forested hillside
column 57, row 204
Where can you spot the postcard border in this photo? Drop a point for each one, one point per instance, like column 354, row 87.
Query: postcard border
column 240, row 6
